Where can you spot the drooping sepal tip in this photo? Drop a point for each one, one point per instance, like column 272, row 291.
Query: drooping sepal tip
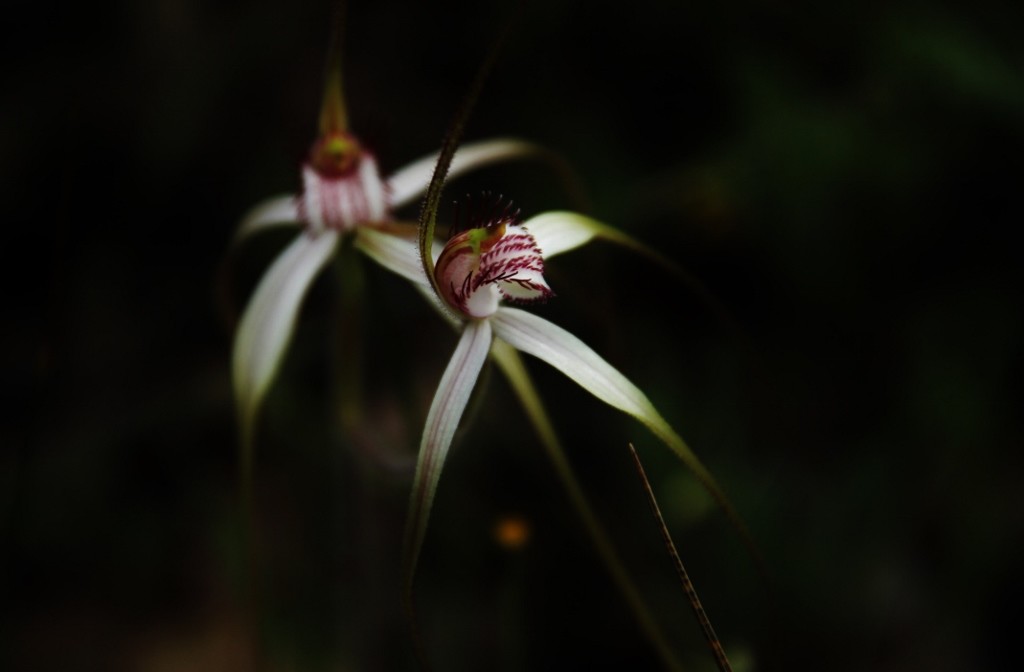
column 336, row 151
column 333, row 115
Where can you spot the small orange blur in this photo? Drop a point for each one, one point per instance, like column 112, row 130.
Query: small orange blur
column 512, row 532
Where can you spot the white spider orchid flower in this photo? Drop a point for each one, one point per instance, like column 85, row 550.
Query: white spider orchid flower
column 479, row 270
column 343, row 194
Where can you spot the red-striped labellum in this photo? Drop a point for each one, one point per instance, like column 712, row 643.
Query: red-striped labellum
column 483, row 265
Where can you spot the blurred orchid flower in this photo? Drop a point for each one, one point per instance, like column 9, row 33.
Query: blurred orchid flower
column 343, row 194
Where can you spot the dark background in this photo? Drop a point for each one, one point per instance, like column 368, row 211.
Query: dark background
column 844, row 180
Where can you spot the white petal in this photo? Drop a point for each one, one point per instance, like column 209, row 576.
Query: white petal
column 556, row 346
column 562, row 231
column 442, row 420
column 269, row 320
column 411, row 181
column 557, row 232
column 398, row 254
column 278, row 211
column 374, row 189
column 401, row 255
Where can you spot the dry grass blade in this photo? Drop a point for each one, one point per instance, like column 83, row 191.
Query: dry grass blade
column 691, row 593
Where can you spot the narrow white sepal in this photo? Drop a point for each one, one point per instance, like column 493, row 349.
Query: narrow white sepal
column 277, row 211
column 411, row 181
column 547, row 341
column 269, row 319
column 556, row 346
column 442, row 420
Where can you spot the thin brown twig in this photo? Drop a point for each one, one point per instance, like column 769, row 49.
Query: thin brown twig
column 691, row 593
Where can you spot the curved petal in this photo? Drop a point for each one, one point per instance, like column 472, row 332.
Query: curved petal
column 556, row 346
column 442, row 420
column 277, row 211
column 269, row 320
column 561, row 231
column 398, row 254
column 411, row 181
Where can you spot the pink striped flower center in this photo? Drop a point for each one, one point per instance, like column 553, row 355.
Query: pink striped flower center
column 481, row 266
column 342, row 186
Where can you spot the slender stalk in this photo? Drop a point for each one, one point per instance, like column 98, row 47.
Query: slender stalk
column 684, row 578
column 251, row 592
column 333, row 115
column 432, row 200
